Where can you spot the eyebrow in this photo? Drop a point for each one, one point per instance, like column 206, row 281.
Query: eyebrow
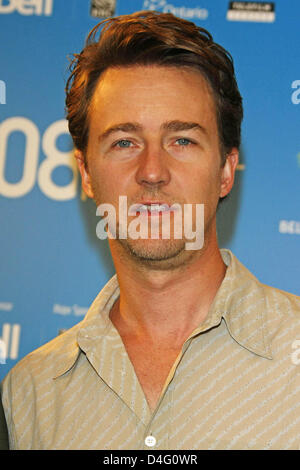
column 173, row 126
column 124, row 127
column 183, row 126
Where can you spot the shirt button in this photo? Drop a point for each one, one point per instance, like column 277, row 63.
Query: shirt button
column 150, row 441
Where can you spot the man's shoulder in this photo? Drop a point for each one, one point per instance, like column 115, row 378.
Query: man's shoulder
column 59, row 354
column 261, row 317
column 282, row 310
column 250, row 298
column 46, row 359
column 278, row 297
column 275, row 299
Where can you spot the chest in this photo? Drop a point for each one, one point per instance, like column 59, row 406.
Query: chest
column 152, row 366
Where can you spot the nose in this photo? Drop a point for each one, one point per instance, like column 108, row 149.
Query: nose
column 153, row 171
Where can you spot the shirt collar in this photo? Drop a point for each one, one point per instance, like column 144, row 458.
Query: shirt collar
column 96, row 323
column 240, row 300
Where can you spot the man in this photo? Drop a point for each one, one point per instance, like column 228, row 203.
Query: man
column 183, row 348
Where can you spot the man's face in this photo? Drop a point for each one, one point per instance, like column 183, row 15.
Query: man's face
column 153, row 138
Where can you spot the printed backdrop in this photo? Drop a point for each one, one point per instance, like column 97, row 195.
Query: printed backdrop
column 52, row 263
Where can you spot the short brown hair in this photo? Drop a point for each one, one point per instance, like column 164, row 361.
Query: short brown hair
column 152, row 38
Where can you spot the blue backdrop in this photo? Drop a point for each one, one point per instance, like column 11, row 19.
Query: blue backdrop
column 52, row 263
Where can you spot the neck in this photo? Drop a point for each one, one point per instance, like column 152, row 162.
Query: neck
column 156, row 304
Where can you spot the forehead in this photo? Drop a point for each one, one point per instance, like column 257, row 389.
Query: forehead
column 152, row 91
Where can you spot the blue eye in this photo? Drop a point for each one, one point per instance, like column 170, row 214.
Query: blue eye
column 123, row 143
column 183, row 141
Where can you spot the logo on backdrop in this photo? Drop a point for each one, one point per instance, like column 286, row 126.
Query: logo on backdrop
column 180, row 11
column 76, row 310
column 6, row 306
column 291, row 227
column 33, row 170
column 27, row 7
column 103, row 8
column 260, row 12
column 2, row 92
column 9, row 342
column 296, row 94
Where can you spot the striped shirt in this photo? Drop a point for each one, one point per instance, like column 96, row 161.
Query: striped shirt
column 235, row 384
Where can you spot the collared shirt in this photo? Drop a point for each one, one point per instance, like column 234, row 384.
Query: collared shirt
column 235, row 384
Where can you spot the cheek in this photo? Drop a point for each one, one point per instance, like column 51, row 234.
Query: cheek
column 100, row 185
column 203, row 183
column 108, row 183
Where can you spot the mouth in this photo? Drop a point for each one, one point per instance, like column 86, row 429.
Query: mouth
column 151, row 208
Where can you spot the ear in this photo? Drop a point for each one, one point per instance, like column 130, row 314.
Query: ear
column 85, row 176
column 228, row 172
